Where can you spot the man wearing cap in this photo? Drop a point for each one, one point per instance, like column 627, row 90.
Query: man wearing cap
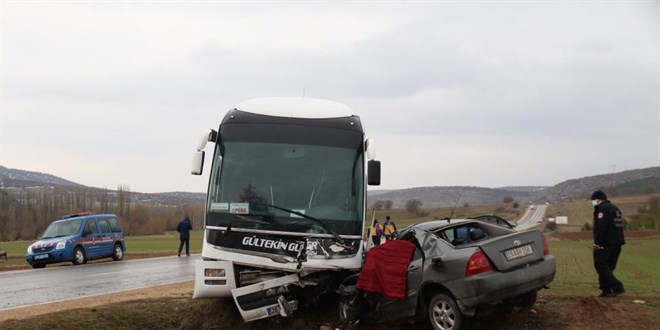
column 608, row 238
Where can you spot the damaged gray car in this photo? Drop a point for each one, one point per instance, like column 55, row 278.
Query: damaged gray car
column 442, row 271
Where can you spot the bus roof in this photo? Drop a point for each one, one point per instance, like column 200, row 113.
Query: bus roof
column 295, row 107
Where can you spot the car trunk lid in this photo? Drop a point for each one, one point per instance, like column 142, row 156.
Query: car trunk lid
column 512, row 251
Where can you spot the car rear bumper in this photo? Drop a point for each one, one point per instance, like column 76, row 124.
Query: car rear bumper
column 493, row 286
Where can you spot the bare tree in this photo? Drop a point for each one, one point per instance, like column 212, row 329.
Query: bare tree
column 414, row 206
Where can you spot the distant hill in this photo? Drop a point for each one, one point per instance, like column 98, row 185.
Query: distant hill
column 14, row 179
column 624, row 183
column 633, row 182
column 432, row 197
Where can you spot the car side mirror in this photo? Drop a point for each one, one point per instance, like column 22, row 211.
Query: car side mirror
column 437, row 262
column 87, row 233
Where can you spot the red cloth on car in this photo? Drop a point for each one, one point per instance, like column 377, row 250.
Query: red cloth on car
column 386, row 268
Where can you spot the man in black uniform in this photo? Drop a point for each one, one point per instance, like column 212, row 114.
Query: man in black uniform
column 608, row 238
column 184, row 227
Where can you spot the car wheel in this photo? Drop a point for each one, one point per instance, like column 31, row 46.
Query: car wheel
column 79, row 256
column 444, row 313
column 525, row 300
column 350, row 309
column 36, row 266
column 117, row 252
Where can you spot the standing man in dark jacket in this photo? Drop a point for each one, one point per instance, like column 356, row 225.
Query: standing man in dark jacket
column 184, row 229
column 608, row 238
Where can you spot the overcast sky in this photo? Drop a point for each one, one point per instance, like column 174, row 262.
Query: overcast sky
column 474, row 93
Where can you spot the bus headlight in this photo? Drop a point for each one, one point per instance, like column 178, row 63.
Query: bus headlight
column 211, row 272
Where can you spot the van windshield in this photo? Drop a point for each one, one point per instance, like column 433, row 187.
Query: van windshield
column 62, row 228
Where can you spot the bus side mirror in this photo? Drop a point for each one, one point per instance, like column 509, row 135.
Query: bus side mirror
column 373, row 170
column 370, row 147
column 207, row 135
column 197, row 163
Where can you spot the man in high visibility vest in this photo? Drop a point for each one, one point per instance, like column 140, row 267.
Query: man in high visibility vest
column 389, row 228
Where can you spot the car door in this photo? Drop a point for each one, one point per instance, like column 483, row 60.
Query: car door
column 400, row 309
column 90, row 237
column 105, row 240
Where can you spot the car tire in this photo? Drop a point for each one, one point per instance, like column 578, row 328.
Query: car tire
column 351, row 309
column 37, row 266
column 525, row 300
column 117, row 252
column 79, row 257
column 444, row 313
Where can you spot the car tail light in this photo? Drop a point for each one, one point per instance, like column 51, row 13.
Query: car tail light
column 546, row 250
column 478, row 264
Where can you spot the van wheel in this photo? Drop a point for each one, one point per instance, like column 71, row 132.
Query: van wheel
column 37, row 266
column 117, row 252
column 79, row 256
column 444, row 313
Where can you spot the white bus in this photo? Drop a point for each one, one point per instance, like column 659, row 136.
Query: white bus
column 286, row 203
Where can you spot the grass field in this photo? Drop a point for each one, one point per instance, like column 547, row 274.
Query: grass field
column 580, row 212
column 638, row 268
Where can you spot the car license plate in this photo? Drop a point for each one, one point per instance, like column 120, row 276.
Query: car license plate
column 518, row 253
column 40, row 257
column 273, row 310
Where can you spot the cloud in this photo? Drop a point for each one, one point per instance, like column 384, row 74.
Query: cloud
column 477, row 93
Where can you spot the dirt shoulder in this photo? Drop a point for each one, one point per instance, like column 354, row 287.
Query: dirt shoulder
column 172, row 306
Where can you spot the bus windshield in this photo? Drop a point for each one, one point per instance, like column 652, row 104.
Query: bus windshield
column 261, row 181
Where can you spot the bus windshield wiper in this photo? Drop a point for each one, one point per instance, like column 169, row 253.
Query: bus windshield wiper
column 303, row 215
column 244, row 219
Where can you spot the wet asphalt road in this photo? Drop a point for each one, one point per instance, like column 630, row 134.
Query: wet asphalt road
column 530, row 220
column 51, row 284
